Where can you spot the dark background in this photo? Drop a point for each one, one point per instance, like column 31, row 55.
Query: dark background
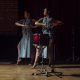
column 67, row 36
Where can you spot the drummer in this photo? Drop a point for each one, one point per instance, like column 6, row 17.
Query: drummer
column 47, row 24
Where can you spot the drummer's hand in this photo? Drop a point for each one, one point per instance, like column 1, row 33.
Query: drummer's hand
column 40, row 24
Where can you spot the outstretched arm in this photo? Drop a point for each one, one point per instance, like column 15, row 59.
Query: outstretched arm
column 21, row 25
column 39, row 22
column 57, row 22
column 18, row 24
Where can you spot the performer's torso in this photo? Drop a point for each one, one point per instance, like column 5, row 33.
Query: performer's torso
column 48, row 22
column 27, row 22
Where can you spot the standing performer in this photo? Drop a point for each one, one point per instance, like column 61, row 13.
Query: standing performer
column 25, row 45
column 47, row 24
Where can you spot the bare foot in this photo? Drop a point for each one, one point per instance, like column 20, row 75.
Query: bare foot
column 35, row 64
column 18, row 61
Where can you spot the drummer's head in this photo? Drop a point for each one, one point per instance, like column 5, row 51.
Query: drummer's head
column 26, row 14
column 46, row 12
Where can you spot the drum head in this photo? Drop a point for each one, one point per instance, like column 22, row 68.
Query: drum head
column 36, row 38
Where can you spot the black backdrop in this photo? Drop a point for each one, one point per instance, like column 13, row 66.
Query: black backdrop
column 67, row 36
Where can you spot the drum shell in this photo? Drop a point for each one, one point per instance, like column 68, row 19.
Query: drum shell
column 41, row 39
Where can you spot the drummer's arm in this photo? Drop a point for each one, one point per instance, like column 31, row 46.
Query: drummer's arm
column 39, row 22
column 18, row 24
column 22, row 25
column 57, row 22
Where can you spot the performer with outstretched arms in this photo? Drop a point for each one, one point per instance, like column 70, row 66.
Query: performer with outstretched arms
column 26, row 43
column 47, row 24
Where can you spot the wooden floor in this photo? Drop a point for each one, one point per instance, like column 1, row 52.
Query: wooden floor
column 24, row 72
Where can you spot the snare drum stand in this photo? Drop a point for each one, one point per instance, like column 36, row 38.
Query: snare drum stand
column 44, row 71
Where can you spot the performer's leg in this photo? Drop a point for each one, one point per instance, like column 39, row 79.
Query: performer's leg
column 37, row 55
column 19, row 59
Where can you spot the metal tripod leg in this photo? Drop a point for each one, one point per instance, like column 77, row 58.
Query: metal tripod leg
column 45, row 72
column 53, row 72
column 42, row 70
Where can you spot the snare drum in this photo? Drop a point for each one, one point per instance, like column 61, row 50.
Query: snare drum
column 36, row 38
column 41, row 39
column 44, row 39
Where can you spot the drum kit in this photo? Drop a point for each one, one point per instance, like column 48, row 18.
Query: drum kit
column 38, row 37
column 41, row 39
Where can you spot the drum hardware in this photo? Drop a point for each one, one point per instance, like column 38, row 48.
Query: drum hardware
column 43, row 40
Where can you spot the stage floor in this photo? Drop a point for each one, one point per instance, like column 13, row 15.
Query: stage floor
column 24, row 72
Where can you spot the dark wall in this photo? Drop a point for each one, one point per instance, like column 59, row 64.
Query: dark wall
column 8, row 16
column 8, row 30
column 67, row 36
